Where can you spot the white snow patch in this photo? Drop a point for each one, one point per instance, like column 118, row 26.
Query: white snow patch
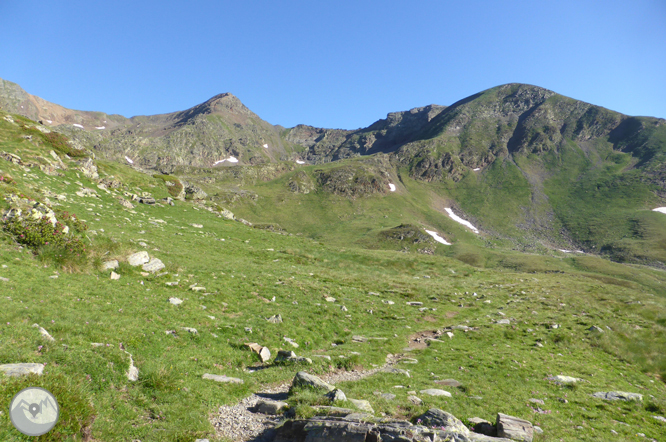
column 660, row 209
column 218, row 162
column 437, row 237
column 266, row 146
column 129, row 160
column 232, row 160
column 564, row 251
column 392, row 187
column 100, row 127
column 49, row 121
column 300, row 162
column 460, row 220
column 477, row 169
column 77, row 125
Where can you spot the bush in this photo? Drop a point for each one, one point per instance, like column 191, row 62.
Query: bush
column 60, row 143
column 174, row 186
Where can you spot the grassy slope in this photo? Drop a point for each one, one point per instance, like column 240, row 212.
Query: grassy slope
column 171, row 401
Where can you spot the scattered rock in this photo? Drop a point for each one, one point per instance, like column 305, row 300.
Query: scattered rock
column 44, row 333
column 138, row 258
column 415, row 303
column 154, row 265
column 175, row 301
column 660, row 418
column 414, row 400
column 267, row 406
column 396, row 371
column 438, row 418
column 436, row 392
column 275, row 319
column 564, row 379
column 222, row 378
column 22, row 369
column 290, row 341
column 595, row 329
column 514, row 428
column 284, row 356
column 503, row 321
column 362, row 405
column 110, row 265
column 114, row 276
column 336, row 395
column 618, row 396
column 263, row 352
column 303, row 379
column 190, row 330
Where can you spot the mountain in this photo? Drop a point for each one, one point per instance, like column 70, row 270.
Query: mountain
column 534, row 170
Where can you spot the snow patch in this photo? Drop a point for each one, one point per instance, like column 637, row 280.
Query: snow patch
column 266, row 146
column 218, row 162
column 460, row 220
column 437, row 237
column 232, row 160
column 477, row 169
column 300, row 162
column 77, row 125
column 129, row 160
column 660, row 209
column 564, row 251
column 100, row 127
column 49, row 121
column 392, row 187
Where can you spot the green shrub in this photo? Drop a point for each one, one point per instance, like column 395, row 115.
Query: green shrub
column 60, row 143
column 42, row 236
column 174, row 186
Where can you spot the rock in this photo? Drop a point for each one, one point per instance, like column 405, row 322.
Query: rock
column 536, row 401
column 564, row 379
column 138, row 258
column 154, row 265
column 285, row 356
column 396, row 371
column 275, row 319
column 197, row 226
column 438, row 418
column 110, row 265
column 387, row 396
column 222, row 378
column 538, row 430
column 514, row 428
column 660, row 418
column 290, row 341
column 149, row 200
column 175, row 301
column 263, row 352
column 114, row 276
column 89, row 169
column 336, row 395
column 618, row 396
column 414, row 400
column 123, row 202
column 449, row 382
column 415, row 303
column 330, row 299
column 226, row 214
column 190, row 330
column 267, row 406
column 595, row 329
column 44, row 333
column 362, row 405
column 503, row 321
column 357, row 338
column 334, row 411
column 436, row 392
column 22, row 369
column 132, row 371
column 482, row 426
column 303, row 379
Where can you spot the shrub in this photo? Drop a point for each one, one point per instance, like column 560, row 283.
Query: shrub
column 174, row 186
column 6, row 179
column 60, row 143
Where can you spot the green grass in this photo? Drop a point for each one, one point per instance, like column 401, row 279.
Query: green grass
column 339, row 254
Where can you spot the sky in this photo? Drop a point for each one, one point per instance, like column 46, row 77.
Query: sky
column 338, row 64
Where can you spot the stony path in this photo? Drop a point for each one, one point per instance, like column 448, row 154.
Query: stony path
column 238, row 423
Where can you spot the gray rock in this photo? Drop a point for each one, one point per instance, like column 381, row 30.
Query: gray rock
column 190, row 330
column 114, row 276
column 362, row 405
column 436, row 392
column 175, row 301
column 414, row 400
column 286, row 356
column 595, row 329
column 618, row 396
column 263, row 352
column 397, row 371
column 415, row 303
column 154, row 265
column 275, row 319
column 514, row 428
column 387, row 396
column 110, row 265
column 449, row 382
column 439, row 418
column 564, row 379
column 303, row 379
column 660, row 418
column 222, row 378
column 503, row 321
column 44, row 333
column 227, row 214
column 22, row 369
column 138, row 258
column 267, row 406
column 336, row 395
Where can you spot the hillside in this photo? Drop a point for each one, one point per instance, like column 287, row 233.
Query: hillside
column 372, row 301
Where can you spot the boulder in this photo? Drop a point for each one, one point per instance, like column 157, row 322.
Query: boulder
column 482, row 426
column 89, row 169
column 114, row 276
column 436, row 392
column 154, row 265
column 22, row 369
column 303, row 379
column 514, row 428
column 439, row 418
column 267, row 406
column 284, row 356
column 263, row 352
column 110, row 265
column 336, row 395
column 564, row 379
column 138, row 258
column 275, row 319
column 618, row 396
column 362, row 405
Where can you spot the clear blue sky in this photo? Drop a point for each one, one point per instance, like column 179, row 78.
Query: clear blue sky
column 339, row 64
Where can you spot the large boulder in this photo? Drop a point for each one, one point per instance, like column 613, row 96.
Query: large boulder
column 439, row 418
column 153, row 265
column 22, row 369
column 138, row 258
column 514, row 428
column 303, row 379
